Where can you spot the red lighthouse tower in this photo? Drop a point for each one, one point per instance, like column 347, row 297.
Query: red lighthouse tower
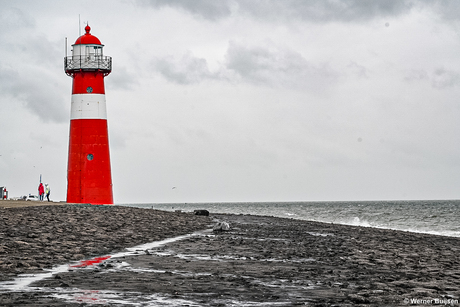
column 89, row 178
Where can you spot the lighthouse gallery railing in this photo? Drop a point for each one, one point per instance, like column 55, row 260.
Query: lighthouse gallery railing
column 90, row 63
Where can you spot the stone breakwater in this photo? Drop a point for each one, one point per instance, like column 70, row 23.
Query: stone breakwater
column 257, row 261
column 38, row 237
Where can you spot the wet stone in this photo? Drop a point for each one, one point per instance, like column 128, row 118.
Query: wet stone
column 74, row 233
column 268, row 260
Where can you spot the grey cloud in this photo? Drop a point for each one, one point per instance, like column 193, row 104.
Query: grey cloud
column 8, row 79
column 188, row 70
column 123, row 79
column 43, row 99
column 38, row 93
column 37, row 80
column 416, row 75
column 358, row 70
column 443, row 78
column 12, row 18
column 325, row 10
column 440, row 78
column 276, row 67
column 449, row 10
column 306, row 10
column 265, row 66
column 211, row 10
column 19, row 35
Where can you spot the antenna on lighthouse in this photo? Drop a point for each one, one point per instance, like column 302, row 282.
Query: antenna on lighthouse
column 79, row 34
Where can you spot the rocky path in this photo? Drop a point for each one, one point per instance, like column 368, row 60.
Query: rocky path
column 33, row 238
column 260, row 261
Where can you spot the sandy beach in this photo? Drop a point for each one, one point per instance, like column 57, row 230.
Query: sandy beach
column 260, row 261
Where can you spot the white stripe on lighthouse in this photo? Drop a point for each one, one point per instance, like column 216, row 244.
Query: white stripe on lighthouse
column 88, row 106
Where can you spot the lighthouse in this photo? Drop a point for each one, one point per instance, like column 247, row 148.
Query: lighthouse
column 89, row 178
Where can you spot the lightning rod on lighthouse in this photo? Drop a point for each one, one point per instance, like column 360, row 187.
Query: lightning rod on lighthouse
column 89, row 178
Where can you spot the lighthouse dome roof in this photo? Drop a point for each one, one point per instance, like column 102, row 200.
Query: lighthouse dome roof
column 87, row 38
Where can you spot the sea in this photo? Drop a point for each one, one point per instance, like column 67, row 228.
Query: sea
column 439, row 217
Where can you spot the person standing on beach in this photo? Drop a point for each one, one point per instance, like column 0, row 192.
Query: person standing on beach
column 47, row 191
column 41, row 191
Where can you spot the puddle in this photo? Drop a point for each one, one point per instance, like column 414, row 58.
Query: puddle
column 208, row 257
column 98, row 297
column 318, row 234
column 22, row 282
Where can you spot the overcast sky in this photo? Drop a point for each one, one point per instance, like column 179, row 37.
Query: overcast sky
column 242, row 100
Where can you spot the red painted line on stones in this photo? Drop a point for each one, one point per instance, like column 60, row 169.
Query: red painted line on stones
column 89, row 262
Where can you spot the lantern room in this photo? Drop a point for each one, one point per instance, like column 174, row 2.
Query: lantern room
column 87, row 55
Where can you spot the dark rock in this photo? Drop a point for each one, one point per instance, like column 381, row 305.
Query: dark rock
column 202, row 212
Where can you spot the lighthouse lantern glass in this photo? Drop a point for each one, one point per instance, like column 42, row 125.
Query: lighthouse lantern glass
column 93, row 52
column 88, row 56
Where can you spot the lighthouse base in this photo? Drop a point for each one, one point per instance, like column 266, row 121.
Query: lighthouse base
column 89, row 178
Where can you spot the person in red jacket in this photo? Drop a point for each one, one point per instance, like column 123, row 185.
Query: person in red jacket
column 41, row 191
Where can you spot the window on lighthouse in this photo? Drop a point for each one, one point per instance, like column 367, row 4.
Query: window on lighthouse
column 89, row 52
column 93, row 53
column 98, row 52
